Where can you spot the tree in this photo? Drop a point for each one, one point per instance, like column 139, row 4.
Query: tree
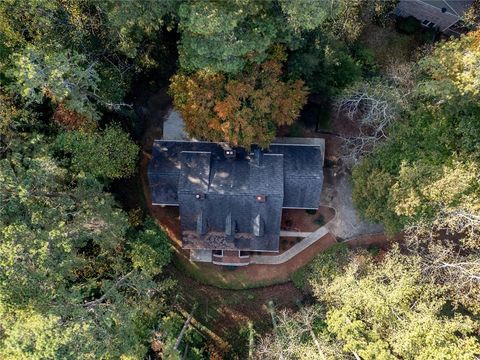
column 371, row 195
column 145, row 22
column 81, row 55
column 372, row 107
column 324, row 63
column 297, row 336
column 389, row 310
column 453, row 68
column 454, row 268
column 174, row 326
column 13, row 117
column 221, row 36
column 308, row 14
column 148, row 253
column 471, row 18
column 66, row 265
column 387, row 307
column 29, row 334
column 226, row 36
column 62, row 76
column 436, row 142
column 110, row 154
column 449, row 240
column 241, row 111
column 352, row 16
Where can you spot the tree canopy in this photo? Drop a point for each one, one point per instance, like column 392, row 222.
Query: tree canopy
column 227, row 44
column 436, row 142
column 79, row 54
column 110, row 154
column 241, row 111
column 371, row 308
column 83, row 271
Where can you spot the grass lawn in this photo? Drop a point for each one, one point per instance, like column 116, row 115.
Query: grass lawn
column 223, row 277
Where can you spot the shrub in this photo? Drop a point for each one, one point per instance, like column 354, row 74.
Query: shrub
column 323, row 267
column 320, row 220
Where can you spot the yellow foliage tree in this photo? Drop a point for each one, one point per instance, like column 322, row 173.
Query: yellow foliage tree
column 241, row 111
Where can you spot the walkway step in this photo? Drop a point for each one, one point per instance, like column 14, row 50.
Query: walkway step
column 294, row 234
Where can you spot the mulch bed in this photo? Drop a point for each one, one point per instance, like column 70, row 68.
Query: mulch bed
column 303, row 221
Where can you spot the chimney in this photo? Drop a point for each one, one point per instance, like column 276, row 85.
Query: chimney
column 228, row 152
column 257, row 156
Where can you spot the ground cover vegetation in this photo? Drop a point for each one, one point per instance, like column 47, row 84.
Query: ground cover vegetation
column 80, row 278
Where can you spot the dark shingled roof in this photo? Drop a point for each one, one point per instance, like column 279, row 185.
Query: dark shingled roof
column 234, row 203
column 303, row 167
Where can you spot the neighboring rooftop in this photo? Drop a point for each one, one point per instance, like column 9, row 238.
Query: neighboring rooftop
column 231, row 199
column 445, row 15
column 455, row 7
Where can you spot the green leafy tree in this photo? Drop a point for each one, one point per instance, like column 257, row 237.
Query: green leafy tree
column 308, row 14
column 221, row 36
column 145, row 22
column 225, row 36
column 389, row 310
column 388, row 307
column 324, row 63
column 82, row 54
column 151, row 250
column 437, row 139
column 31, row 335
column 109, row 154
column 61, row 76
column 13, row 117
column 351, row 16
column 67, row 268
column 453, row 69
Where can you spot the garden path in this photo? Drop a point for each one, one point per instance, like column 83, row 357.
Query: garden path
column 293, row 251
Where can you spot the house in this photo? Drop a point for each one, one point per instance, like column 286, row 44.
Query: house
column 230, row 200
column 445, row 15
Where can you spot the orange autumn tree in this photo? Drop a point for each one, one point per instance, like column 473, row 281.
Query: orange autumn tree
column 242, row 110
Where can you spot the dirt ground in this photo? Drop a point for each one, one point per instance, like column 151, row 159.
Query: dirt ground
column 227, row 312
column 378, row 240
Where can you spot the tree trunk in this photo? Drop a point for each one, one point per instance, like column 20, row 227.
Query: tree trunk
column 184, row 328
column 251, row 340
